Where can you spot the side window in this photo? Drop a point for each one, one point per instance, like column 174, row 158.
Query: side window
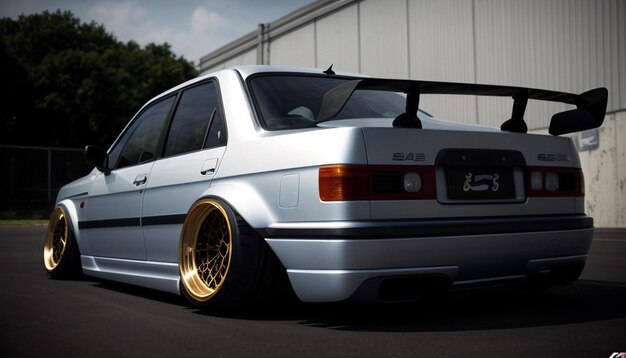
column 140, row 142
column 217, row 132
column 192, row 119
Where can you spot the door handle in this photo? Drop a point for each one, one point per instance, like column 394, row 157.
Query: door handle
column 140, row 179
column 209, row 166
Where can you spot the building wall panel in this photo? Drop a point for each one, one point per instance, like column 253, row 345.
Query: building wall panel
column 246, row 58
column 214, row 68
column 296, row 48
column 620, row 123
column 441, row 49
column 619, row 7
column 567, row 45
column 384, row 38
column 602, row 183
column 337, row 40
column 440, row 40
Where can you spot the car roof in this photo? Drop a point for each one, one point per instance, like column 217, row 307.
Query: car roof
column 246, row 71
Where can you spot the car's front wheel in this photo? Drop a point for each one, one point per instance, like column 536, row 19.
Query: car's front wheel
column 61, row 256
column 223, row 262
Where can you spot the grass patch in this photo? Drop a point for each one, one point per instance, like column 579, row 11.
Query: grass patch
column 23, row 222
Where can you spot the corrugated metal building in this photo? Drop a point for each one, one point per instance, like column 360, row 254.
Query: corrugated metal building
column 565, row 45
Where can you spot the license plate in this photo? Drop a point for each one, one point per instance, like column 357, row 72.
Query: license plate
column 481, row 183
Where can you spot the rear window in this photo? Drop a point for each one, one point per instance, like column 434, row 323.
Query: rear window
column 293, row 101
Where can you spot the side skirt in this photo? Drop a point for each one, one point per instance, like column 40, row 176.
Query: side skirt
column 162, row 276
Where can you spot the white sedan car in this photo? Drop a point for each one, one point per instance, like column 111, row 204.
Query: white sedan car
column 220, row 188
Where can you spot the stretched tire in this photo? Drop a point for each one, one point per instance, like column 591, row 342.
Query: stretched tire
column 61, row 256
column 223, row 262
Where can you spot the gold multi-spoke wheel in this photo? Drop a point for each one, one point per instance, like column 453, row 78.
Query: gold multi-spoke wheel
column 205, row 250
column 61, row 257
column 56, row 240
column 223, row 262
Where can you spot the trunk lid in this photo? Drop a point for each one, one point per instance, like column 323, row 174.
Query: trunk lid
column 468, row 167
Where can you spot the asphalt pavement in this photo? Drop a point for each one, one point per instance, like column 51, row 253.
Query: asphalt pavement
column 44, row 317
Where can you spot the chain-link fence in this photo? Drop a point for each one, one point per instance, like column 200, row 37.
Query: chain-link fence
column 31, row 177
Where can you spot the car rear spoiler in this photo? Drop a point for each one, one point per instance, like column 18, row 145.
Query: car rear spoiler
column 589, row 113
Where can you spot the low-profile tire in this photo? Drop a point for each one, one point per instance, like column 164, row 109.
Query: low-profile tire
column 223, row 262
column 61, row 256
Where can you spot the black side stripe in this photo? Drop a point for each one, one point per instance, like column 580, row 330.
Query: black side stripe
column 99, row 224
column 126, row 222
column 164, row 220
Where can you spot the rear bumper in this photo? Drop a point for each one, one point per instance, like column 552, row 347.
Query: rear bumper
column 330, row 261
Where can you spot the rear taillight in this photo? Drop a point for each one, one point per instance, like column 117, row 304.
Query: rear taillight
column 555, row 181
column 376, row 182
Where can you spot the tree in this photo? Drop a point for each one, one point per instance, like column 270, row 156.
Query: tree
column 67, row 83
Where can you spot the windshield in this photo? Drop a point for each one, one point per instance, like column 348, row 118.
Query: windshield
column 293, row 101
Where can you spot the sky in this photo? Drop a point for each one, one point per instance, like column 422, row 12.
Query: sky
column 194, row 28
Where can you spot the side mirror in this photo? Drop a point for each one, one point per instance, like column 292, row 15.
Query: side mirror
column 97, row 157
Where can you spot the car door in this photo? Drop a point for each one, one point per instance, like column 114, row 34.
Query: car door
column 113, row 226
column 192, row 153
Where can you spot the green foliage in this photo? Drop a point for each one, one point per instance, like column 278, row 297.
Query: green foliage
column 67, row 83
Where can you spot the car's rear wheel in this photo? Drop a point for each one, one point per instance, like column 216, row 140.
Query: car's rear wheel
column 61, row 256
column 223, row 262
